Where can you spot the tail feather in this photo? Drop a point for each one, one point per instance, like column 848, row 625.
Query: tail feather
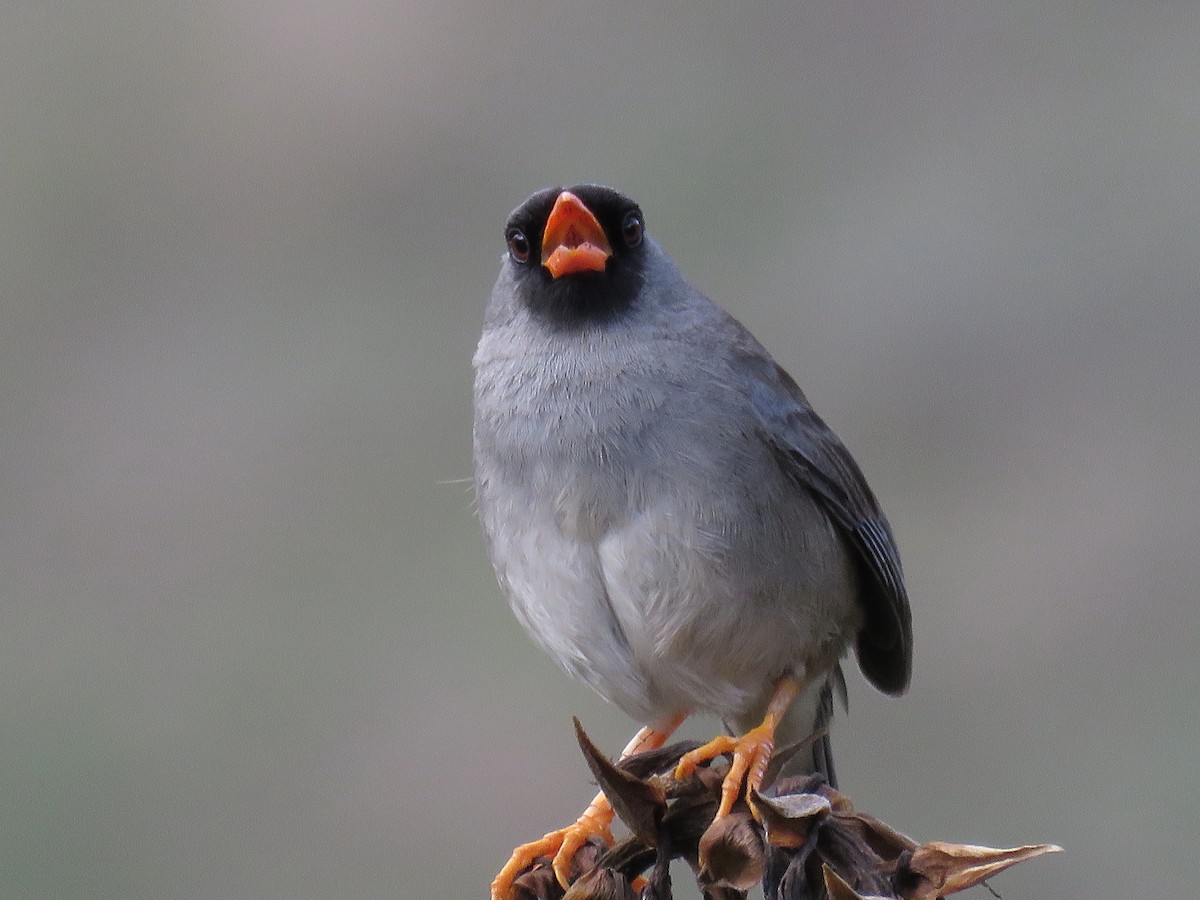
column 822, row 749
column 818, row 757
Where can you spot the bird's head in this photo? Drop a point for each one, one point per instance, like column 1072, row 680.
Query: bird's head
column 577, row 254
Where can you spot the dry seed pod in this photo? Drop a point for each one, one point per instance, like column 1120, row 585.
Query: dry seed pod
column 732, row 853
column 639, row 804
column 838, row 889
column 538, row 883
column 790, row 818
column 600, row 884
column 936, row 869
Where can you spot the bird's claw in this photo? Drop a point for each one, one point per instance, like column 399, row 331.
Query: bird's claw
column 562, row 845
column 751, row 755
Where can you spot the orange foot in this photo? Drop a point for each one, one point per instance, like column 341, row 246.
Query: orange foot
column 751, row 752
column 596, row 820
column 562, row 844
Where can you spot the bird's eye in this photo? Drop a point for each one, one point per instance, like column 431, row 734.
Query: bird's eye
column 632, row 228
column 518, row 245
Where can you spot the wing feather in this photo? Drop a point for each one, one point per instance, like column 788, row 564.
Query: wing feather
column 816, row 460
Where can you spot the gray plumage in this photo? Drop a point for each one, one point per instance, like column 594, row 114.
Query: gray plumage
column 667, row 516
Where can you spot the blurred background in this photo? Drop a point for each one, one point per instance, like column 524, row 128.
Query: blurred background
column 250, row 644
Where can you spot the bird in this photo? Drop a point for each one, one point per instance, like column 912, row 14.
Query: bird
column 667, row 515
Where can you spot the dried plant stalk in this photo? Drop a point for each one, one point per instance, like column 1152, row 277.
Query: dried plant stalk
column 807, row 842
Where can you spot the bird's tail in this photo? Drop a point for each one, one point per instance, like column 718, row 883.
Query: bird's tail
column 801, row 725
column 811, row 729
column 822, row 750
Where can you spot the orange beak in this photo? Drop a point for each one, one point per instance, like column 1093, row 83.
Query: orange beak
column 573, row 240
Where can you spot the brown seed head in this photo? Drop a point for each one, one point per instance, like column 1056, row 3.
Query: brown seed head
column 732, row 852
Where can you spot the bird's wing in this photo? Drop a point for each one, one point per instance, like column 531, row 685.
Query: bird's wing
column 817, row 461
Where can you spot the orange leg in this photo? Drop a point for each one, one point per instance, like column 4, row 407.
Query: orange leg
column 751, row 752
column 596, row 820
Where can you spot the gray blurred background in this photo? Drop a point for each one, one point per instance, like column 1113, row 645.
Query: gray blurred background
column 250, row 645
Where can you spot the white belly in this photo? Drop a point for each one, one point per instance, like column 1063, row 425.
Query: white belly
column 661, row 611
column 667, row 578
